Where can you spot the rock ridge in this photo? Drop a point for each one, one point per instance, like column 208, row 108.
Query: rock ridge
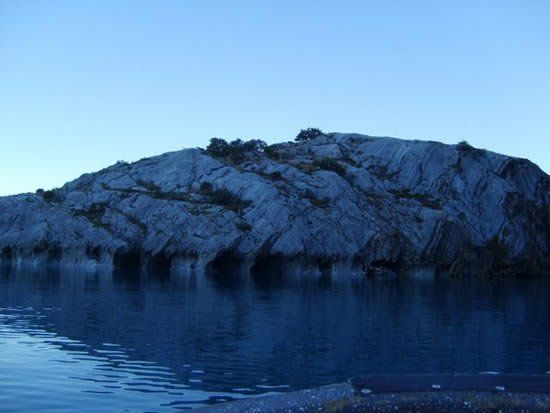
column 338, row 203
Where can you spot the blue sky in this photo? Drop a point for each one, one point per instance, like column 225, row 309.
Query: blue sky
column 84, row 84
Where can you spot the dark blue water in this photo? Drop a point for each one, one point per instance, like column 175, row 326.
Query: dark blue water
column 73, row 342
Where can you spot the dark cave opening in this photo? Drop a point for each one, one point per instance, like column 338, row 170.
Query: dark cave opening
column 325, row 267
column 127, row 260
column 269, row 264
column 383, row 264
column 93, row 252
column 6, row 256
column 227, row 263
column 54, row 255
column 160, row 263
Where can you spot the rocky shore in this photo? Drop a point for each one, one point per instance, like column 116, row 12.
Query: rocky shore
column 439, row 393
column 334, row 204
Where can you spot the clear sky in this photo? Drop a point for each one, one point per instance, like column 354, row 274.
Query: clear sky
column 86, row 83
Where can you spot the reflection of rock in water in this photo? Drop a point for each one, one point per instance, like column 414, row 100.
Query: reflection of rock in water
column 302, row 332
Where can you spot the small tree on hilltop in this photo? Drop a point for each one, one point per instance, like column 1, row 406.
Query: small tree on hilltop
column 218, row 147
column 254, row 145
column 235, row 150
column 308, row 134
column 464, row 146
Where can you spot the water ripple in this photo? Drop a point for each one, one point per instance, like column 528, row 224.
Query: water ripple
column 143, row 344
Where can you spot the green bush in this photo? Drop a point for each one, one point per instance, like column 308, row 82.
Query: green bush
column 223, row 197
column 253, row 145
column 49, row 195
column 228, row 199
column 464, row 146
column 271, row 152
column 330, row 164
column 236, row 150
column 218, row 147
column 308, row 134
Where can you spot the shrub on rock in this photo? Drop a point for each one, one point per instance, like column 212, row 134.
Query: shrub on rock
column 330, row 164
column 464, row 146
column 218, row 147
column 308, row 134
column 49, row 195
column 236, row 150
column 223, row 197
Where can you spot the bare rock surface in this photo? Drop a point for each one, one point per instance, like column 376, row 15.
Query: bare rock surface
column 372, row 205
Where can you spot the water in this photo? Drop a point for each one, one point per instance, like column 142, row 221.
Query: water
column 151, row 343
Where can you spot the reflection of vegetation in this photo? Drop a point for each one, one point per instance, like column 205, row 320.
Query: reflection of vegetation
column 425, row 199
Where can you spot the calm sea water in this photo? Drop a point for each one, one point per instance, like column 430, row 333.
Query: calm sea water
column 151, row 343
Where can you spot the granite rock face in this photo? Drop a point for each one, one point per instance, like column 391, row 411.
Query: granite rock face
column 340, row 203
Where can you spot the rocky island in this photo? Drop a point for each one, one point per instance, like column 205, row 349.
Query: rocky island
column 330, row 203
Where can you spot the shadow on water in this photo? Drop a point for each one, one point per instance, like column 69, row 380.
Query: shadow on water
column 228, row 334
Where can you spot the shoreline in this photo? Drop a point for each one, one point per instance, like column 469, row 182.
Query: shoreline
column 419, row 393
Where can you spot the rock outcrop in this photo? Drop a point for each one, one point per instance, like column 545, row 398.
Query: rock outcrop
column 337, row 203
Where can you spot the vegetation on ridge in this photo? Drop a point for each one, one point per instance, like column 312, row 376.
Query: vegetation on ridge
column 308, row 134
column 234, row 150
column 51, row 195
